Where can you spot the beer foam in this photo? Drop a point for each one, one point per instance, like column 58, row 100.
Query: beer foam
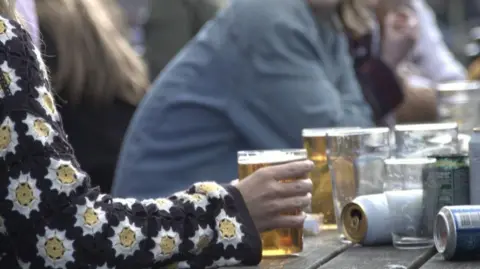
column 359, row 131
column 271, row 156
column 320, row 132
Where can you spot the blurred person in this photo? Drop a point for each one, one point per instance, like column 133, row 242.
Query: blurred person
column 377, row 50
column 416, row 68
column 429, row 63
column 431, row 55
column 50, row 217
column 252, row 78
column 97, row 75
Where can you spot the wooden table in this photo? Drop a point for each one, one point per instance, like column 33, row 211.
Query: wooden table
column 327, row 252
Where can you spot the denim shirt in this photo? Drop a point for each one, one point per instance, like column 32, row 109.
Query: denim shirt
column 253, row 78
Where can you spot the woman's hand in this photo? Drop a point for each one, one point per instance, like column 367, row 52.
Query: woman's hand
column 400, row 34
column 267, row 198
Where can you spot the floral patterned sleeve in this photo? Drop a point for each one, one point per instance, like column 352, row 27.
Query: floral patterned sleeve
column 51, row 218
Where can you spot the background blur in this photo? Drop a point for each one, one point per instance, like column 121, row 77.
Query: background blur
column 456, row 18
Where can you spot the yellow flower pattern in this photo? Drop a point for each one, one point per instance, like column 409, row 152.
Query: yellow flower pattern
column 5, row 137
column 71, row 225
column 39, row 129
column 56, row 248
column 8, row 137
column 24, row 194
column 229, row 230
column 45, row 100
column 3, row 27
column 167, row 243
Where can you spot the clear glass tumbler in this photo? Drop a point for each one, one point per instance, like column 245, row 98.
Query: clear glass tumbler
column 356, row 164
column 423, row 140
column 404, row 192
column 315, row 142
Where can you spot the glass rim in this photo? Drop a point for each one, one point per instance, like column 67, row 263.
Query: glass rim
column 459, row 86
column 406, row 161
column 271, row 156
column 321, row 132
column 360, row 131
column 425, row 126
column 255, row 151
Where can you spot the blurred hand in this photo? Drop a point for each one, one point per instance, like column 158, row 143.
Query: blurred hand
column 400, row 35
column 267, row 198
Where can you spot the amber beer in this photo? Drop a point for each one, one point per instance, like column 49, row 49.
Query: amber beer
column 278, row 242
column 315, row 142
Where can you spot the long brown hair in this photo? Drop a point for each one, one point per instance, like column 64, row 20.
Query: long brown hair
column 94, row 58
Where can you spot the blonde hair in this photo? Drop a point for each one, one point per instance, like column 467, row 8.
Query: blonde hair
column 356, row 17
column 7, row 9
column 94, row 58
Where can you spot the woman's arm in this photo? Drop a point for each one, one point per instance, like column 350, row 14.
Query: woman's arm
column 420, row 104
column 53, row 219
column 379, row 83
column 430, row 53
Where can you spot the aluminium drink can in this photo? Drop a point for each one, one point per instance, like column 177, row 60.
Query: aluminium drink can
column 474, row 154
column 446, row 183
column 367, row 221
column 457, row 232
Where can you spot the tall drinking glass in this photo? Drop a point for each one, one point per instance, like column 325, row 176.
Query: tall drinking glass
column 278, row 242
column 404, row 192
column 356, row 163
column 315, row 142
column 423, row 140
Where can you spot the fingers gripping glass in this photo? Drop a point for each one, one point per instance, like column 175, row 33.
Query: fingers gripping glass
column 278, row 242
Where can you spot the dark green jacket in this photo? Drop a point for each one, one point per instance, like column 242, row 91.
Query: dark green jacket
column 171, row 24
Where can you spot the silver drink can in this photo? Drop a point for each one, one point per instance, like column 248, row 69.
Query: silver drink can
column 457, row 232
column 367, row 221
column 474, row 155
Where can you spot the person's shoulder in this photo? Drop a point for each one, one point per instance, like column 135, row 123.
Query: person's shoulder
column 9, row 21
column 261, row 14
column 11, row 29
column 268, row 20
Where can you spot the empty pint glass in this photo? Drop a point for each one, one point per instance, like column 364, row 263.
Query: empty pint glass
column 278, row 242
column 356, row 162
column 315, row 142
column 406, row 202
column 423, row 140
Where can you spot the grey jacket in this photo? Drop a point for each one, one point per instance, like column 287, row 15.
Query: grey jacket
column 253, row 78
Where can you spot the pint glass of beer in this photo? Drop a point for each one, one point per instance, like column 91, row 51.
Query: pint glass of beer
column 278, row 242
column 315, row 142
column 356, row 163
